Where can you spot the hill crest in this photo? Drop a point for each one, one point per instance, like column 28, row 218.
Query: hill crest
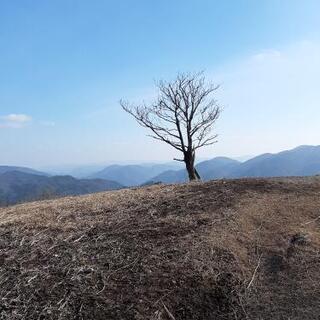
column 219, row 249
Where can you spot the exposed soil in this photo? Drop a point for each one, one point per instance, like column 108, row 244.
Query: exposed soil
column 228, row 249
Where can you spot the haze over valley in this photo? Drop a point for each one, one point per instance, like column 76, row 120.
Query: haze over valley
column 19, row 184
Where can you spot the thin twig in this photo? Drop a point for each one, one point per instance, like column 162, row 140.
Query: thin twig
column 160, row 299
column 168, row 312
column 255, row 272
column 314, row 220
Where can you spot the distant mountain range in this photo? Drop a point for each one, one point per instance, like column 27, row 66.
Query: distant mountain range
column 301, row 161
column 76, row 171
column 4, row 169
column 133, row 175
column 19, row 184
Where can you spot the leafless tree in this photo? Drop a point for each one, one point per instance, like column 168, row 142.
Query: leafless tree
column 183, row 116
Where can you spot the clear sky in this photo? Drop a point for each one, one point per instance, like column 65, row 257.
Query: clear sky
column 65, row 64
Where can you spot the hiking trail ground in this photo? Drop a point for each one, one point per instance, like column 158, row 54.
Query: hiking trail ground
column 227, row 249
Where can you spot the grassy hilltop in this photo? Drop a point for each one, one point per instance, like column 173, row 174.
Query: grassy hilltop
column 229, row 249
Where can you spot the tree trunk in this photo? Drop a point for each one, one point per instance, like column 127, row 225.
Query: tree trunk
column 189, row 159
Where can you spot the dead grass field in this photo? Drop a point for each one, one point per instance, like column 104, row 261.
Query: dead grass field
column 229, row 249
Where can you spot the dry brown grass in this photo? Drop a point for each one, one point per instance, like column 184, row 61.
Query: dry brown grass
column 235, row 249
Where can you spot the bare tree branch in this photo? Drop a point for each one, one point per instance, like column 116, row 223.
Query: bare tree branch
column 182, row 116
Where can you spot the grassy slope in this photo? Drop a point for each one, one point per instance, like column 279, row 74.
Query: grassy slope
column 216, row 250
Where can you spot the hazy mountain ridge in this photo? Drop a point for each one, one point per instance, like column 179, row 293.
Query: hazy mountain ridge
column 22, row 184
column 300, row 161
column 17, row 186
column 4, row 169
column 133, row 175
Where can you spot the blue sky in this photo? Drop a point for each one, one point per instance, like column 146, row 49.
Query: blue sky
column 65, row 65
